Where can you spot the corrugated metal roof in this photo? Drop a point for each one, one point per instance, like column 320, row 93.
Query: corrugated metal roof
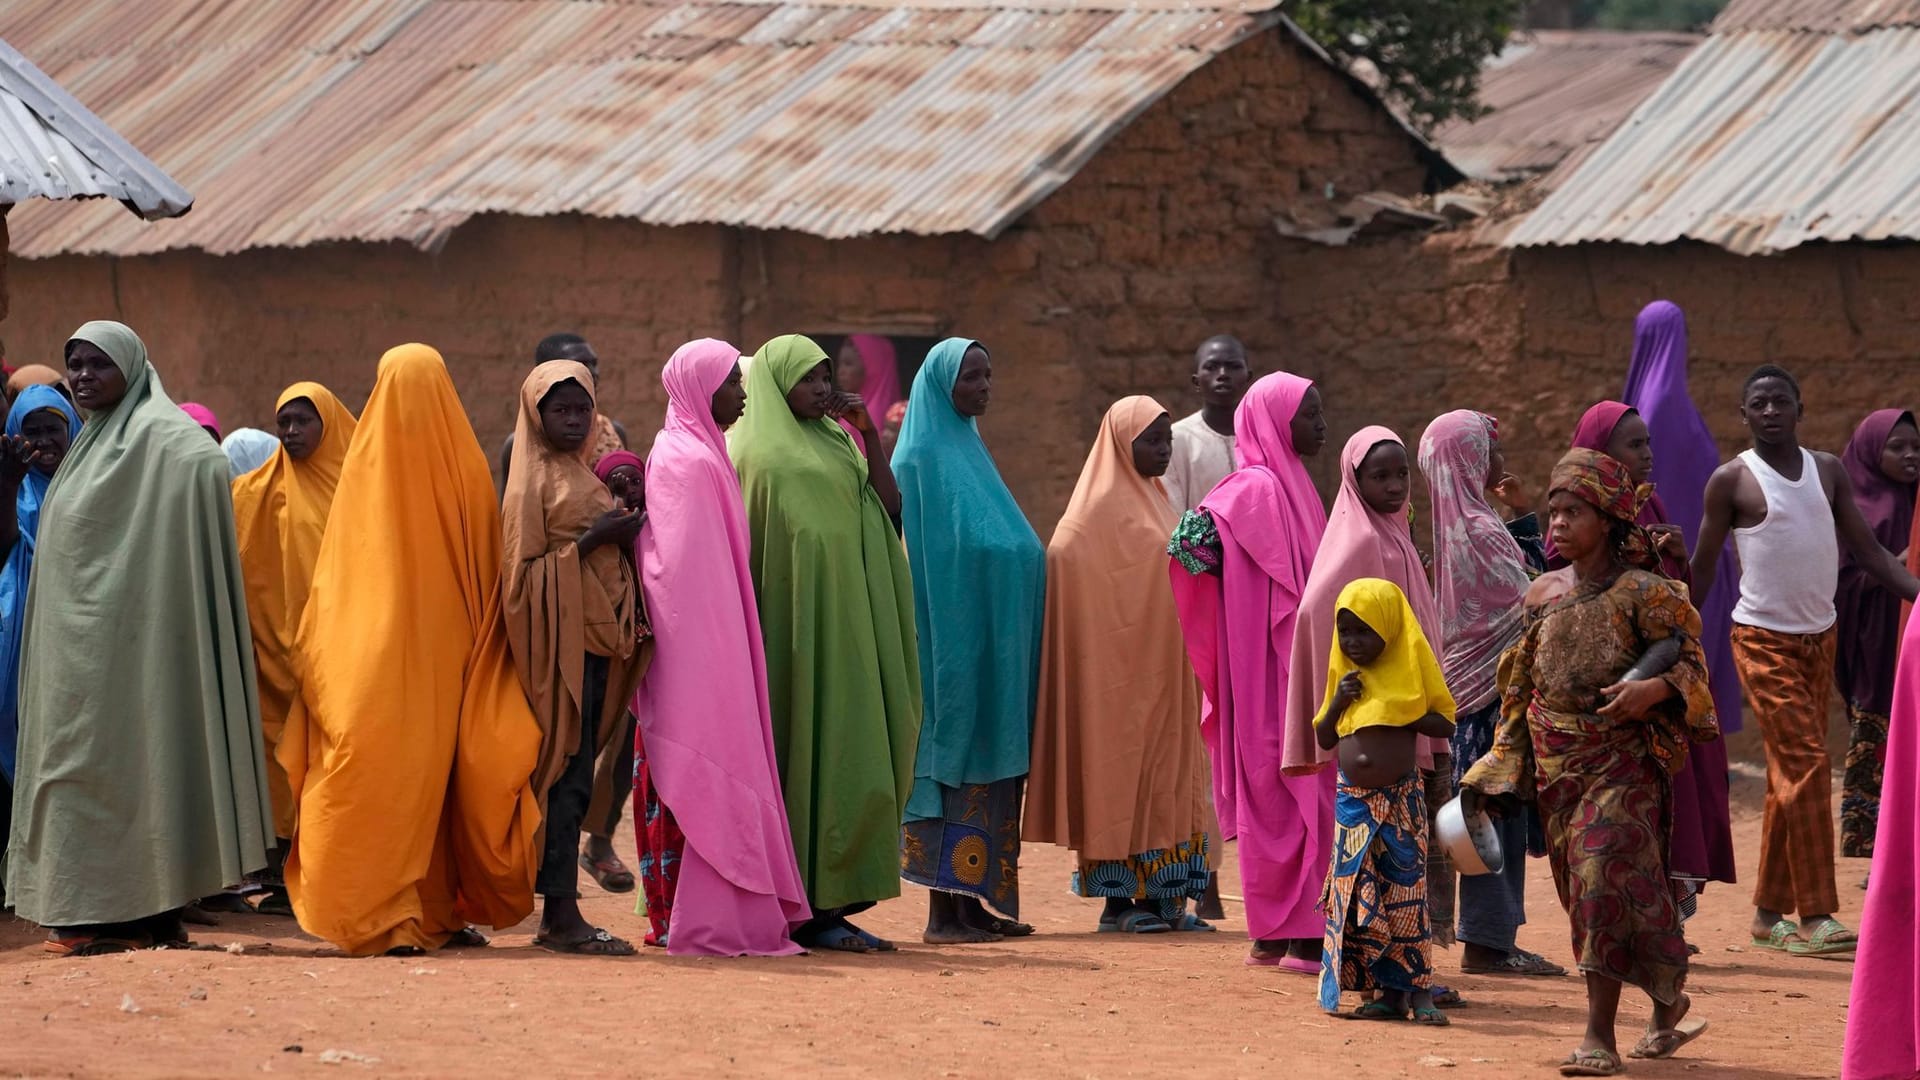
column 1819, row 16
column 399, row 119
column 1761, row 141
column 1556, row 93
column 51, row 147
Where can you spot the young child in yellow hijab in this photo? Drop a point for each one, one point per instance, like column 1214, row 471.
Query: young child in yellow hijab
column 1384, row 691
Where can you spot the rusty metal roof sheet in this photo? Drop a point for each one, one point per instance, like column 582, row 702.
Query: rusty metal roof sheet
column 1760, row 141
column 51, row 147
column 1554, row 95
column 322, row 120
column 1819, row 16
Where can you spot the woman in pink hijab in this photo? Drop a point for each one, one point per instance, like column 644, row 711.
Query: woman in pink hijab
column 867, row 366
column 1237, row 594
column 702, row 707
column 202, row 416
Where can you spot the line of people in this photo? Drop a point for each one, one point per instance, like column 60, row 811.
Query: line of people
column 383, row 689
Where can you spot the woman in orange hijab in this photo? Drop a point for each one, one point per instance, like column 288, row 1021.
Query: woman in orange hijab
column 281, row 513
column 410, row 748
column 574, row 625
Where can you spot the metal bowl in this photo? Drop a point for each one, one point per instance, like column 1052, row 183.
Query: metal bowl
column 1472, row 842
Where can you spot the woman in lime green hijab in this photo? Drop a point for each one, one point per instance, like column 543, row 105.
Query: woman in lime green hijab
column 836, row 609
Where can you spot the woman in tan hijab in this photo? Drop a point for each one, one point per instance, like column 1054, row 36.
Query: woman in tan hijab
column 573, row 623
column 1119, row 772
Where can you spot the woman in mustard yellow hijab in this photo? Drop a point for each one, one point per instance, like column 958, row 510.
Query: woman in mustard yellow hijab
column 410, row 750
column 281, row 513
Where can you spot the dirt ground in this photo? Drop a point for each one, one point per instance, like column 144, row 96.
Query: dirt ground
column 1065, row 1003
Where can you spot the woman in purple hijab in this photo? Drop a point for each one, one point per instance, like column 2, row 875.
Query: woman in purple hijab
column 1684, row 457
column 1883, row 461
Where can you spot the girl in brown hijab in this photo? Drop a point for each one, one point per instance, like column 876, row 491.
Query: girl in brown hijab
column 573, row 623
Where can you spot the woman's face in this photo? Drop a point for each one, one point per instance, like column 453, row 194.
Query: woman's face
column 810, row 396
column 1578, row 530
column 849, row 368
column 1385, row 478
column 1358, row 640
column 628, row 487
column 1900, row 458
column 1153, row 448
column 1632, row 446
column 730, row 401
column 973, row 387
column 301, row 428
column 47, row 433
column 1309, row 427
column 96, row 381
column 566, row 416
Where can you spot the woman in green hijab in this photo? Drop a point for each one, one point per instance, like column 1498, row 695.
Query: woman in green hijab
column 140, row 783
column 836, row 609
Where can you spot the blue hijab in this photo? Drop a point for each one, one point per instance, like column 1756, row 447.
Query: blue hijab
column 19, row 565
column 979, row 593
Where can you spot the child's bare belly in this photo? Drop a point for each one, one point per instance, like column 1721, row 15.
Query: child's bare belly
column 1377, row 756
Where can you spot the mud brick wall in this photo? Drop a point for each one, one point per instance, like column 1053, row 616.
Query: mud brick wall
column 1104, row 289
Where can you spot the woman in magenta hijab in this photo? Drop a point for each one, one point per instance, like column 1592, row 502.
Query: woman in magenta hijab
column 1243, row 559
column 1883, row 1017
column 1702, row 836
column 1883, row 461
column 702, row 707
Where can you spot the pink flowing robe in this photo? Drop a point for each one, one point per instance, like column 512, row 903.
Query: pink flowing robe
column 1239, row 630
column 702, row 707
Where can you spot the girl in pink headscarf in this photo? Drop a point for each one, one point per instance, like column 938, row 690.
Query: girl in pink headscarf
column 1237, row 594
column 705, row 736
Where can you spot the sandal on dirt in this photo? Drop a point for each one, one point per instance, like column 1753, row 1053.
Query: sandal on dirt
column 1431, row 1017
column 1831, row 939
column 1375, row 1010
column 1590, row 1063
column 610, row 872
column 599, row 943
column 274, row 901
column 94, row 945
column 1660, row 1045
column 1518, row 963
column 873, row 942
column 1192, row 923
column 1009, row 928
column 1777, row 939
column 837, row 939
column 467, row 938
column 1447, row 998
column 1135, row 921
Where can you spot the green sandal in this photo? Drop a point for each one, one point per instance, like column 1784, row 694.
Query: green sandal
column 1431, row 1017
column 1782, row 935
column 1831, row 939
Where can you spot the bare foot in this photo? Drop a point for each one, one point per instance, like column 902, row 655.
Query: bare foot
column 957, row 934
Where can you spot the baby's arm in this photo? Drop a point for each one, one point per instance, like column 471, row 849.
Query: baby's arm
column 1655, row 661
column 1433, row 724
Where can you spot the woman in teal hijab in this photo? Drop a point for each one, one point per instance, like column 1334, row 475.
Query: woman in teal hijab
column 979, row 598
column 836, row 611
column 140, row 784
column 40, row 427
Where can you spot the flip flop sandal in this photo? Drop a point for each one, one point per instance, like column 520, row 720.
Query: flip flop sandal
column 1779, row 937
column 873, row 942
column 1135, row 921
column 1447, row 998
column 1660, row 1045
column 468, row 938
column 838, row 939
column 97, row 945
column 1192, row 923
column 274, row 901
column 1375, row 1010
column 1590, row 1063
column 611, row 874
column 1431, row 1017
column 1822, row 942
column 599, row 943
column 1300, row 966
column 1517, row 963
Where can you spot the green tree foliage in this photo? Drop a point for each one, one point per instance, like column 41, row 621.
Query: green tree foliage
column 1651, row 14
column 1427, row 52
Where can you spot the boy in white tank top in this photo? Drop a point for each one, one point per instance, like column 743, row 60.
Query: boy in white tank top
column 1789, row 509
